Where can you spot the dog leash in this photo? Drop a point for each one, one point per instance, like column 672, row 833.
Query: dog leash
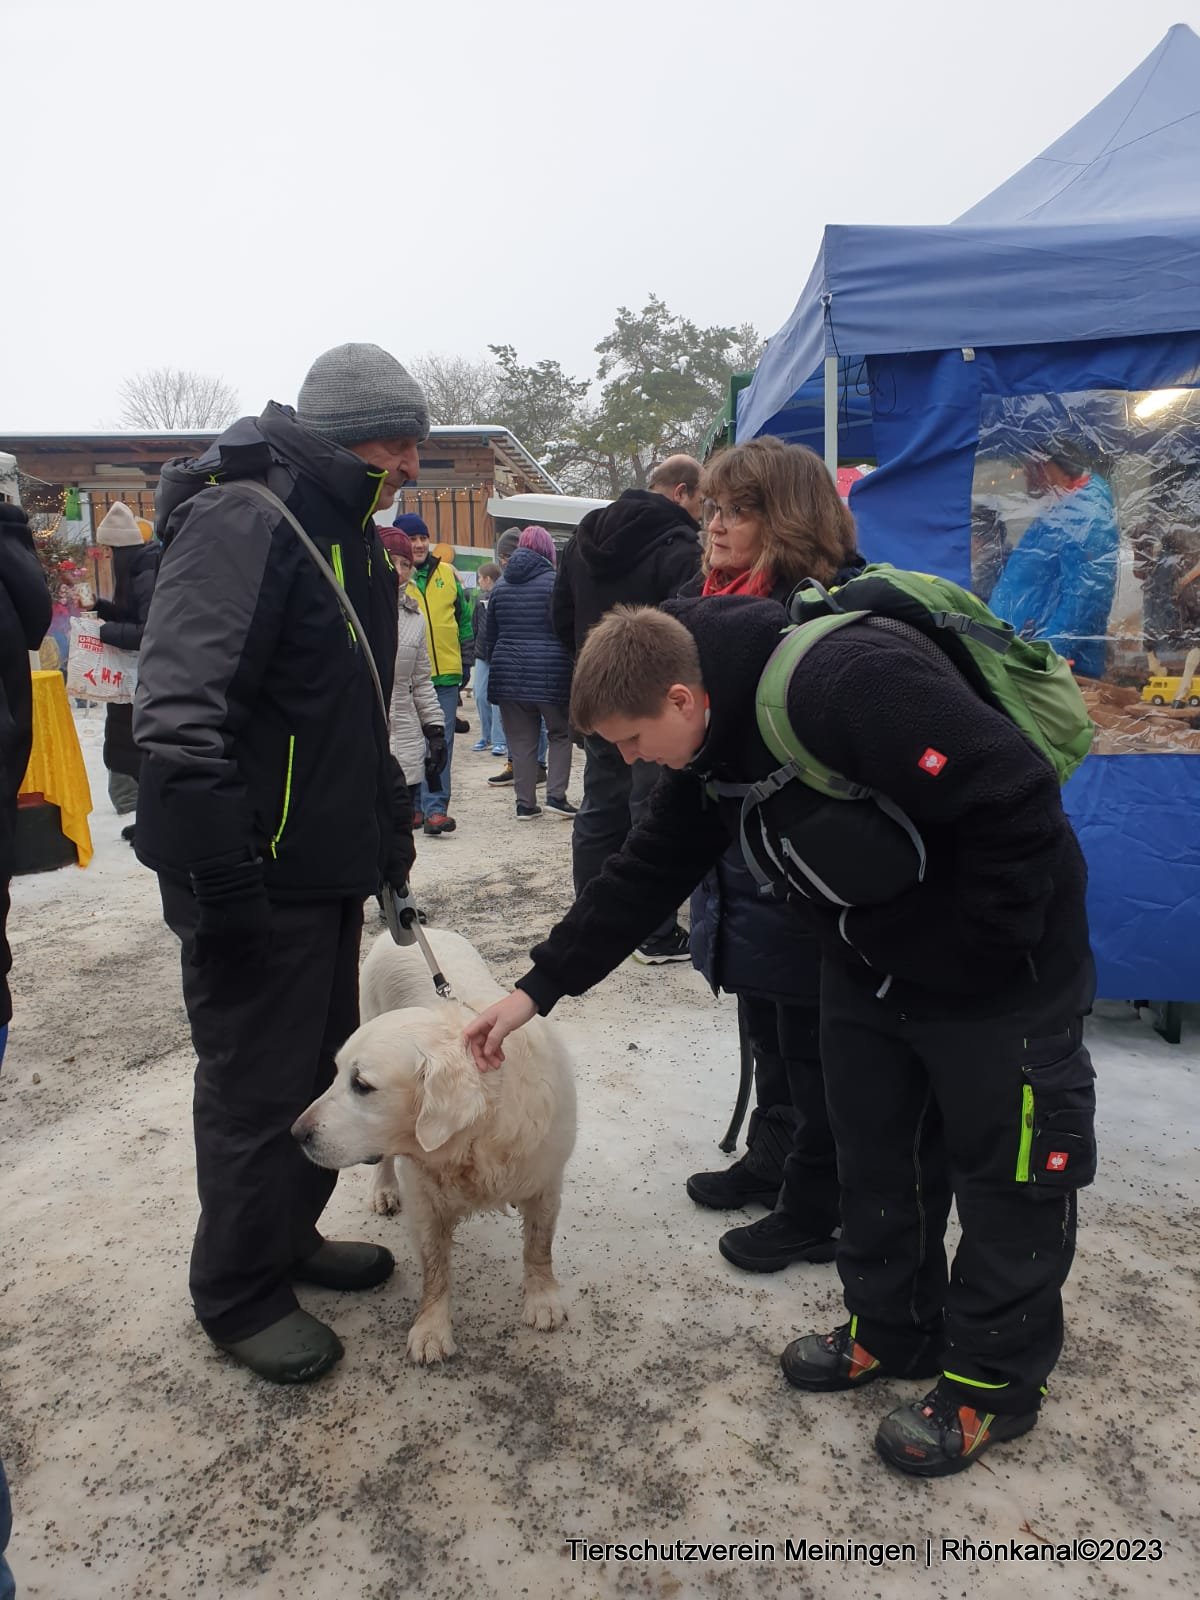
column 404, row 924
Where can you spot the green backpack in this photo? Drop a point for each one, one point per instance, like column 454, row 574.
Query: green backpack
column 1025, row 679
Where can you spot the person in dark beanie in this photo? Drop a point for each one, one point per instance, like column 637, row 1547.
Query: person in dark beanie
column 640, row 550
column 122, row 623
column 24, row 617
column 450, row 640
column 271, row 807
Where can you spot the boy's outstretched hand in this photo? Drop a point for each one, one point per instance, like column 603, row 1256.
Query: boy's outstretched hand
column 491, row 1027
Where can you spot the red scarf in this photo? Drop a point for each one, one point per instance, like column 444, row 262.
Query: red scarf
column 749, row 582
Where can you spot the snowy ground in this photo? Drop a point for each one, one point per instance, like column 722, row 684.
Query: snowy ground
column 143, row 1464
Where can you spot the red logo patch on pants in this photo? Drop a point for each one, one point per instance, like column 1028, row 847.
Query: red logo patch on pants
column 932, row 762
column 1056, row 1161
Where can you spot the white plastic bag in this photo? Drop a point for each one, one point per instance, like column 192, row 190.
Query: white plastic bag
column 97, row 671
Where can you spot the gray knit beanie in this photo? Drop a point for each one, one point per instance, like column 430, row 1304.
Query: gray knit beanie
column 358, row 392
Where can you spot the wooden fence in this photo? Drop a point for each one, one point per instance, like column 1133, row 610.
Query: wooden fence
column 453, row 516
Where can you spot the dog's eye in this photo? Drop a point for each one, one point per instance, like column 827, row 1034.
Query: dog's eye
column 360, row 1085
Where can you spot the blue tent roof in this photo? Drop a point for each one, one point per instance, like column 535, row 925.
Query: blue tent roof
column 1098, row 237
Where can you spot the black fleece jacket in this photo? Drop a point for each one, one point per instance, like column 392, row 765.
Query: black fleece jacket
column 999, row 918
column 638, row 551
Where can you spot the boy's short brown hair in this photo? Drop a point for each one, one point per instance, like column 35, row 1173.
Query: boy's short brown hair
column 628, row 662
column 489, row 569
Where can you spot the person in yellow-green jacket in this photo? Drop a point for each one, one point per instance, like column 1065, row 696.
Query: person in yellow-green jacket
column 438, row 590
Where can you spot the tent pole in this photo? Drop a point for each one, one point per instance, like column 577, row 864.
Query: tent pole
column 831, row 405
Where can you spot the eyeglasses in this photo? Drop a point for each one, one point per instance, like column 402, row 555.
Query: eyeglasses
column 727, row 514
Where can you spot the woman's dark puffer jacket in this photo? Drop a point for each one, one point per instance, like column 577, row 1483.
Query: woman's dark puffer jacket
column 740, row 942
column 527, row 661
column 122, row 624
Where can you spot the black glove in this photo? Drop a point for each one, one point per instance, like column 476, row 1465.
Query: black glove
column 401, row 856
column 435, row 754
column 234, row 926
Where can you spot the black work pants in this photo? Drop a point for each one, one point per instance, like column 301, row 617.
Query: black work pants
column 614, row 796
column 265, row 1041
column 996, row 1112
column 790, row 1117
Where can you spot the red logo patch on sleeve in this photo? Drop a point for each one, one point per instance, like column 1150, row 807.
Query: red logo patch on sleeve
column 932, row 762
column 1056, row 1161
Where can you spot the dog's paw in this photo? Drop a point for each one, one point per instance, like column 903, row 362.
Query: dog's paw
column 545, row 1308
column 429, row 1342
column 385, row 1199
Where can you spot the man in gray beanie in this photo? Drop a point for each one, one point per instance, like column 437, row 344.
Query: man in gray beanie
column 271, row 807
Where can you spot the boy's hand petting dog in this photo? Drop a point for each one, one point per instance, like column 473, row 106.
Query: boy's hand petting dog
column 487, row 1033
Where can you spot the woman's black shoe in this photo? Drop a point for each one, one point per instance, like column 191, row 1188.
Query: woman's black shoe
column 731, row 1187
column 775, row 1242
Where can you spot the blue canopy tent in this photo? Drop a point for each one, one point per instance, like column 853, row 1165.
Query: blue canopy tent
column 1080, row 273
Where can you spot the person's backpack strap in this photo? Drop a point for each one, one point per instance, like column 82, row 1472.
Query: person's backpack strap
column 771, row 707
column 327, row 572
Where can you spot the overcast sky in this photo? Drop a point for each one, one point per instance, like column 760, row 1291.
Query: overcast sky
column 236, row 187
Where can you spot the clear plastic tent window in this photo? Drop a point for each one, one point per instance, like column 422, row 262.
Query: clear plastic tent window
column 1085, row 531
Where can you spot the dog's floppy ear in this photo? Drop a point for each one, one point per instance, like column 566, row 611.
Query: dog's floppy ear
column 452, row 1096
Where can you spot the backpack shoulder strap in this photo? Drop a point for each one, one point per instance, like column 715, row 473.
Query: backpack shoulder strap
column 771, row 706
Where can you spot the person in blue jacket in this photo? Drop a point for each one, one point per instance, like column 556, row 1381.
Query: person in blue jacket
column 530, row 674
column 1059, row 582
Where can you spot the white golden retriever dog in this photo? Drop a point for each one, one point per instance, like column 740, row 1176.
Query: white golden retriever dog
column 468, row 1141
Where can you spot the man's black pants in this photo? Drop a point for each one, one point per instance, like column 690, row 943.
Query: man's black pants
column 790, row 1118
column 265, row 1041
column 614, row 797
column 998, row 1112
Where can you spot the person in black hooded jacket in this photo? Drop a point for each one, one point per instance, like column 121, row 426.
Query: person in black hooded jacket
column 122, row 623
column 271, row 806
column 639, row 550
column 24, row 617
column 955, row 974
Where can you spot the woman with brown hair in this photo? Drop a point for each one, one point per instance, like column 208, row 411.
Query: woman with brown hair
column 774, row 519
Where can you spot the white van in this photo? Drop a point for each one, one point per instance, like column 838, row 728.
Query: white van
column 559, row 514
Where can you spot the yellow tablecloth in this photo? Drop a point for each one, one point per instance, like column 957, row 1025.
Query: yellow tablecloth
column 56, row 762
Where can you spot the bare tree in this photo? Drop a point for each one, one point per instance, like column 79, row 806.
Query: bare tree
column 458, row 390
column 170, row 397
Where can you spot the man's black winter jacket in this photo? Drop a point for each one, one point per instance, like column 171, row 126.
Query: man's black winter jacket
column 639, row 551
column 255, row 711
column 999, row 917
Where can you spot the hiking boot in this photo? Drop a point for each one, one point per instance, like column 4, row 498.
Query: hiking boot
column 439, row 822
column 934, row 1437
column 656, row 952
column 824, row 1362
column 296, row 1349
column 345, row 1264
column 524, row 813
column 505, row 775
column 774, row 1242
column 732, row 1187
column 561, row 808
column 418, row 818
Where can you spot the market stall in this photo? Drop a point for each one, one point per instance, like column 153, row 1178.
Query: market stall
column 1033, row 372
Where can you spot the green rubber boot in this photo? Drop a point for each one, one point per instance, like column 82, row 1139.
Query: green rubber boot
column 296, row 1349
